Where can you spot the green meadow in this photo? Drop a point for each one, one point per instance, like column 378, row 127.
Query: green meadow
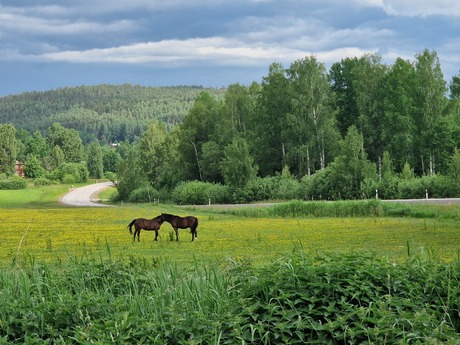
column 363, row 272
column 54, row 233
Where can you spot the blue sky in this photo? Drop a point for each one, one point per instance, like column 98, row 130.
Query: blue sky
column 48, row 44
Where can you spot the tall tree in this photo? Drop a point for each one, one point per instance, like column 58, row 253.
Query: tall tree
column 268, row 122
column 94, row 161
column 110, row 158
column 171, row 170
column 236, row 110
column 237, row 166
column 399, row 129
column 8, row 148
column 197, row 128
column 68, row 140
column 342, row 76
column 211, row 157
column 38, row 145
column 33, row 167
column 130, row 173
column 369, row 86
column 454, row 87
column 311, row 116
column 151, row 149
column 352, row 173
column 431, row 102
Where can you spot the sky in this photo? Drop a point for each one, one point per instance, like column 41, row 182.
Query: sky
column 50, row 44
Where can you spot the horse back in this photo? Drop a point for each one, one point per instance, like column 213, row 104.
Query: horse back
column 192, row 221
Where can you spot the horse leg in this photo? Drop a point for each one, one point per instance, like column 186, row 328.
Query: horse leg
column 177, row 234
column 156, row 235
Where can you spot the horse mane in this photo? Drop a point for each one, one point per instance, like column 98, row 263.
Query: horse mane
column 167, row 215
column 159, row 219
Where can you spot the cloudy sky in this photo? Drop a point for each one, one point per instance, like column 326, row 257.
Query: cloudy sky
column 48, row 44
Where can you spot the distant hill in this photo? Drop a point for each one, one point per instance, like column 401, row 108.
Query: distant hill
column 109, row 113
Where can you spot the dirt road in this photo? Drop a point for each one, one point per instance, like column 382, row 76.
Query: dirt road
column 85, row 196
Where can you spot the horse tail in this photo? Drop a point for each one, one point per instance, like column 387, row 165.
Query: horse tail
column 130, row 225
column 196, row 223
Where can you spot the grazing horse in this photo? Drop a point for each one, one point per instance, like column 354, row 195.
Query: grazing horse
column 181, row 223
column 146, row 224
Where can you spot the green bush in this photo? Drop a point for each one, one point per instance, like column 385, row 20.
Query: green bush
column 200, row 193
column 388, row 188
column 69, row 179
column 318, row 186
column 13, row 183
column 260, row 188
column 42, row 181
column 143, row 194
column 274, row 187
column 78, row 171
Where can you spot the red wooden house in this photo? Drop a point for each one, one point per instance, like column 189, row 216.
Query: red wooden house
column 19, row 169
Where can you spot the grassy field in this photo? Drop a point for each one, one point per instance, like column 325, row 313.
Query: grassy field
column 73, row 275
column 46, row 231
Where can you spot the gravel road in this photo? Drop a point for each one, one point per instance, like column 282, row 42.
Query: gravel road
column 84, row 196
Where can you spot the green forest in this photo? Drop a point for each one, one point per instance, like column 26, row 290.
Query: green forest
column 358, row 130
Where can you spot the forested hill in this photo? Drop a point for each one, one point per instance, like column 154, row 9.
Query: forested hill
column 109, row 113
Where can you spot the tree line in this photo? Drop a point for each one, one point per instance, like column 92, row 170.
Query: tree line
column 106, row 113
column 358, row 130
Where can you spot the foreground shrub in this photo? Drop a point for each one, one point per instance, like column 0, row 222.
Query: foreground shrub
column 329, row 299
column 352, row 299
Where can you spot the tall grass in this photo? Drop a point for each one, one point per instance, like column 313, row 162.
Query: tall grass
column 334, row 299
column 338, row 209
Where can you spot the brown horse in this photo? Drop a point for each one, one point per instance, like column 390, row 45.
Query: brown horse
column 181, row 223
column 146, row 224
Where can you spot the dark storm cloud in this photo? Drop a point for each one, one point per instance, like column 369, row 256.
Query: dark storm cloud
column 51, row 43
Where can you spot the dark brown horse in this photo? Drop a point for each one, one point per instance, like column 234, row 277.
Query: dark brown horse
column 181, row 223
column 146, row 224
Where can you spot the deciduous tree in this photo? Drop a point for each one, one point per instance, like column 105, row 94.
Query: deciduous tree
column 268, row 134
column 68, row 140
column 431, row 102
column 8, row 148
column 311, row 117
column 94, row 161
column 237, row 165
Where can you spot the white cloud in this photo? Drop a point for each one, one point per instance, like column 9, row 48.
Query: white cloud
column 378, row 3
column 19, row 23
column 335, row 55
column 419, row 8
column 215, row 50
column 212, row 51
